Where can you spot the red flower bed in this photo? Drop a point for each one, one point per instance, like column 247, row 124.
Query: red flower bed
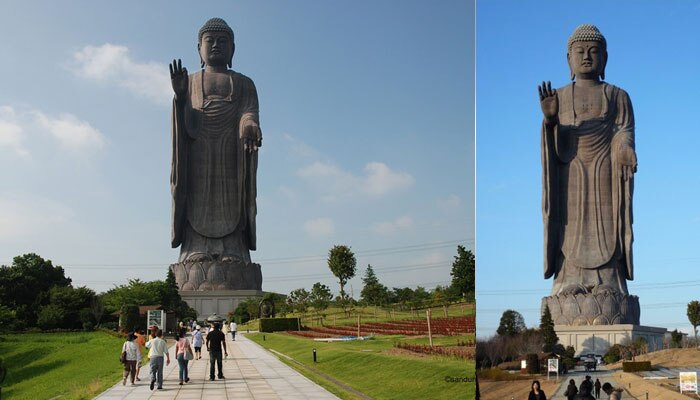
column 466, row 353
column 439, row 326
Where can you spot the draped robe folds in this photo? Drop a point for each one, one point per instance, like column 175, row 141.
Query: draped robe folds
column 587, row 199
column 213, row 179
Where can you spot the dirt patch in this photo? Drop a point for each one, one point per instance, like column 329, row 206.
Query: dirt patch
column 657, row 388
column 506, row 390
column 669, row 358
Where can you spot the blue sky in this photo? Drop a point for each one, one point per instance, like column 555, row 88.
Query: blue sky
column 653, row 55
column 367, row 117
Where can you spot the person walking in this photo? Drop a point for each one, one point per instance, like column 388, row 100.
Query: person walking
column 133, row 353
column 596, row 385
column 536, row 393
column 183, row 354
column 571, row 390
column 197, row 342
column 615, row 394
column 141, row 341
column 215, row 340
column 158, row 349
column 233, row 329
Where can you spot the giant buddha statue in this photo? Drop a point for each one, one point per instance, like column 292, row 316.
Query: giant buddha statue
column 215, row 139
column 588, row 164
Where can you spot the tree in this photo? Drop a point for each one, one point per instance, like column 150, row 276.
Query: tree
column 373, row 292
column 320, row 297
column 343, row 265
column 694, row 317
column 512, row 323
column 299, row 299
column 463, row 273
column 676, row 338
column 25, row 285
column 547, row 328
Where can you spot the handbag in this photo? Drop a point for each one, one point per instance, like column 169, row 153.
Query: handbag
column 122, row 358
column 188, row 355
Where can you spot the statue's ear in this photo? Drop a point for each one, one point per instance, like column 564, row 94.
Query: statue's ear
column 233, row 50
column 199, row 50
column 571, row 70
column 605, row 62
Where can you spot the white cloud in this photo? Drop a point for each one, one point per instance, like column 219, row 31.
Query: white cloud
column 382, row 180
column 19, row 129
column 299, row 148
column 319, row 227
column 25, row 216
column 378, row 180
column 450, row 202
column 11, row 132
column 112, row 64
column 389, row 227
column 71, row 132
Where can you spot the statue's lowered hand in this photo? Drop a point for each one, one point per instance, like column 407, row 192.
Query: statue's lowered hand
column 628, row 159
column 179, row 79
column 251, row 137
column 549, row 102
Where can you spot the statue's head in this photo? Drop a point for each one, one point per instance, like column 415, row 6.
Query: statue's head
column 587, row 53
column 216, row 46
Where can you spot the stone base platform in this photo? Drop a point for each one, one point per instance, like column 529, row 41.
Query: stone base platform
column 597, row 339
column 220, row 302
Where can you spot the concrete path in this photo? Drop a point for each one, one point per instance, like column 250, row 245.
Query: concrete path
column 251, row 373
column 579, row 375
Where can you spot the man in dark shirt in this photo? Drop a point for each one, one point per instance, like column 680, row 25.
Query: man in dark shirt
column 216, row 339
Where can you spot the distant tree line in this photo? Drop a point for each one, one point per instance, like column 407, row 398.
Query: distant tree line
column 36, row 294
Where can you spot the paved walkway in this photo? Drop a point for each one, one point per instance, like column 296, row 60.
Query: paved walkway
column 251, row 373
column 579, row 375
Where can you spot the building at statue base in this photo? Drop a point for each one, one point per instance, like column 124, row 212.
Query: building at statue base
column 597, row 339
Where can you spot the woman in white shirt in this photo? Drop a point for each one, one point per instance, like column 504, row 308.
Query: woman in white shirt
column 133, row 354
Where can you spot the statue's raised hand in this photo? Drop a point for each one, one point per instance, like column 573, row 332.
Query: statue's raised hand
column 179, row 79
column 549, row 101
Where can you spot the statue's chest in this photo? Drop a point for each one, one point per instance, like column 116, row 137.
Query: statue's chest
column 218, row 85
column 588, row 103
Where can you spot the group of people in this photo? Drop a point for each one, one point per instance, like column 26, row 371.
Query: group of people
column 588, row 390
column 159, row 356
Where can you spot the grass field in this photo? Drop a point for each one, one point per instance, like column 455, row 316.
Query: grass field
column 75, row 365
column 336, row 316
column 374, row 368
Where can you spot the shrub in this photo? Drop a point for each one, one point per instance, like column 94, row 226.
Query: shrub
column 279, row 324
column 50, row 317
column 533, row 363
column 636, row 366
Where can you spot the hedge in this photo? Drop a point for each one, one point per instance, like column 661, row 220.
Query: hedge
column 279, row 324
column 636, row 366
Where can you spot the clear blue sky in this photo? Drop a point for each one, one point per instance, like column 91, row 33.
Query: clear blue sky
column 367, row 112
column 654, row 55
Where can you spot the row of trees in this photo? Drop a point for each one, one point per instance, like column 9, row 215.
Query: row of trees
column 343, row 265
column 36, row 294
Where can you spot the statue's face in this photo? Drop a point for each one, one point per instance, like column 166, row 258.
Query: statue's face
column 216, row 48
column 587, row 59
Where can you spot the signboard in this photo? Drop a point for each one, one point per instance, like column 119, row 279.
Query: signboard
column 155, row 317
column 553, row 366
column 523, row 364
column 689, row 381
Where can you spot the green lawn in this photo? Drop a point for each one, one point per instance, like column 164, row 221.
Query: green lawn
column 75, row 365
column 372, row 368
column 336, row 316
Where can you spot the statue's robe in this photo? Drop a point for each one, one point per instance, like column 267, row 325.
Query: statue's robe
column 213, row 179
column 586, row 199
